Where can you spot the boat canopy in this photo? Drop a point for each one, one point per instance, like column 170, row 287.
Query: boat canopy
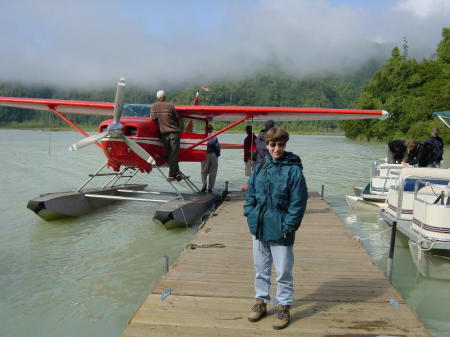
column 431, row 175
column 443, row 115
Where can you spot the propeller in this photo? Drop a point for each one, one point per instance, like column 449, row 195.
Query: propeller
column 88, row 141
column 116, row 129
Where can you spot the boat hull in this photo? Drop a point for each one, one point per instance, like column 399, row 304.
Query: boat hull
column 355, row 202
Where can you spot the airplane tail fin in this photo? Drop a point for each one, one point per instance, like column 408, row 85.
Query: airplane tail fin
column 196, row 99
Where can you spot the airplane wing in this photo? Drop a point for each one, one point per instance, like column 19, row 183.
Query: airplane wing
column 234, row 113
column 444, row 116
column 216, row 113
column 63, row 106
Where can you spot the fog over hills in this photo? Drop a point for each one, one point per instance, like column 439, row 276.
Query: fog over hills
column 93, row 43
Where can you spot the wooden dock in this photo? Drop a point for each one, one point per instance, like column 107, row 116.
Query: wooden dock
column 338, row 290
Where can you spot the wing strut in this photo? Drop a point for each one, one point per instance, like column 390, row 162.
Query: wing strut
column 218, row 132
column 72, row 124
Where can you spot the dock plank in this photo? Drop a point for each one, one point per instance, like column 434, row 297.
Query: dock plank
column 338, row 290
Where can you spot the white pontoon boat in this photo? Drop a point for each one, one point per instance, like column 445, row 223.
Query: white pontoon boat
column 374, row 194
column 420, row 205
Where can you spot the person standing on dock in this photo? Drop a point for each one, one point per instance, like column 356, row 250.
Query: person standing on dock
column 275, row 203
column 211, row 163
column 249, row 151
column 261, row 148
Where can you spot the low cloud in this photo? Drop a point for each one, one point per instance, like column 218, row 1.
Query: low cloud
column 93, row 43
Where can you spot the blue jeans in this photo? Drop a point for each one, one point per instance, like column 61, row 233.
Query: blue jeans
column 264, row 253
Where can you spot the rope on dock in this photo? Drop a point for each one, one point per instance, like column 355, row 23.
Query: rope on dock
column 209, row 245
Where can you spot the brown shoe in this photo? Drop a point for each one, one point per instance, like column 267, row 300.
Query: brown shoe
column 258, row 310
column 283, row 317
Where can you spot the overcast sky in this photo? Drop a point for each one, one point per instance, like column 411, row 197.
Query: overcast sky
column 175, row 42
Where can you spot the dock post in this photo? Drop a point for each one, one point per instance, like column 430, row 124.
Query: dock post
column 165, row 264
column 322, row 189
column 390, row 261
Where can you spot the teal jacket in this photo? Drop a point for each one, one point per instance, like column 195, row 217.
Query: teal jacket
column 276, row 199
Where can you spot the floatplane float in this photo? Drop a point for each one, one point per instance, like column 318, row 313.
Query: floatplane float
column 420, row 205
column 131, row 145
column 373, row 195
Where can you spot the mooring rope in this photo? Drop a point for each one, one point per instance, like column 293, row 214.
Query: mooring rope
column 205, row 245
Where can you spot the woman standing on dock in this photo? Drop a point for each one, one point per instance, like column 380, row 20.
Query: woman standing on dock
column 274, row 207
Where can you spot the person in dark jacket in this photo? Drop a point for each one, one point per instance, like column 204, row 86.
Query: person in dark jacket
column 261, row 148
column 419, row 153
column 275, row 204
column 211, row 163
column 249, row 151
column 397, row 152
column 438, row 145
column 165, row 114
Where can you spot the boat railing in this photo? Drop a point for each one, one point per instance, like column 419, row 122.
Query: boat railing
column 431, row 194
column 404, row 186
column 386, row 175
column 374, row 170
column 431, row 213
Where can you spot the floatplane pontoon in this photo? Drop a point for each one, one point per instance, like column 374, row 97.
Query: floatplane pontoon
column 373, row 195
column 420, row 205
column 130, row 141
column 176, row 209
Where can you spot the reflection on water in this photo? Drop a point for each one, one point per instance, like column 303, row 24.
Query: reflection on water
column 86, row 276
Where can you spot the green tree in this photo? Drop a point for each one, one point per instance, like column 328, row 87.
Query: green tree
column 410, row 91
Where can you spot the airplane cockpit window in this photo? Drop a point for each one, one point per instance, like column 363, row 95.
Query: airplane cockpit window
column 193, row 125
column 143, row 110
column 136, row 110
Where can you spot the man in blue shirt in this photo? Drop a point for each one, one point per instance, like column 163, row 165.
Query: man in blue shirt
column 438, row 145
column 210, row 165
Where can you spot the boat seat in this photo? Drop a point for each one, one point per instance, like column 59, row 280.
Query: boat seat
column 410, row 184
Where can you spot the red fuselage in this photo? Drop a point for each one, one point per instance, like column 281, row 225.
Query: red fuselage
column 146, row 133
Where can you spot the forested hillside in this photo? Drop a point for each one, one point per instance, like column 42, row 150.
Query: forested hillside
column 411, row 91
column 272, row 88
column 278, row 89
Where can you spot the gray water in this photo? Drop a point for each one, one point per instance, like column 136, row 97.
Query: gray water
column 87, row 276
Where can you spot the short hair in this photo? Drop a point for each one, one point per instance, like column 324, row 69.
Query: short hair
column 160, row 94
column 248, row 129
column 410, row 143
column 276, row 135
